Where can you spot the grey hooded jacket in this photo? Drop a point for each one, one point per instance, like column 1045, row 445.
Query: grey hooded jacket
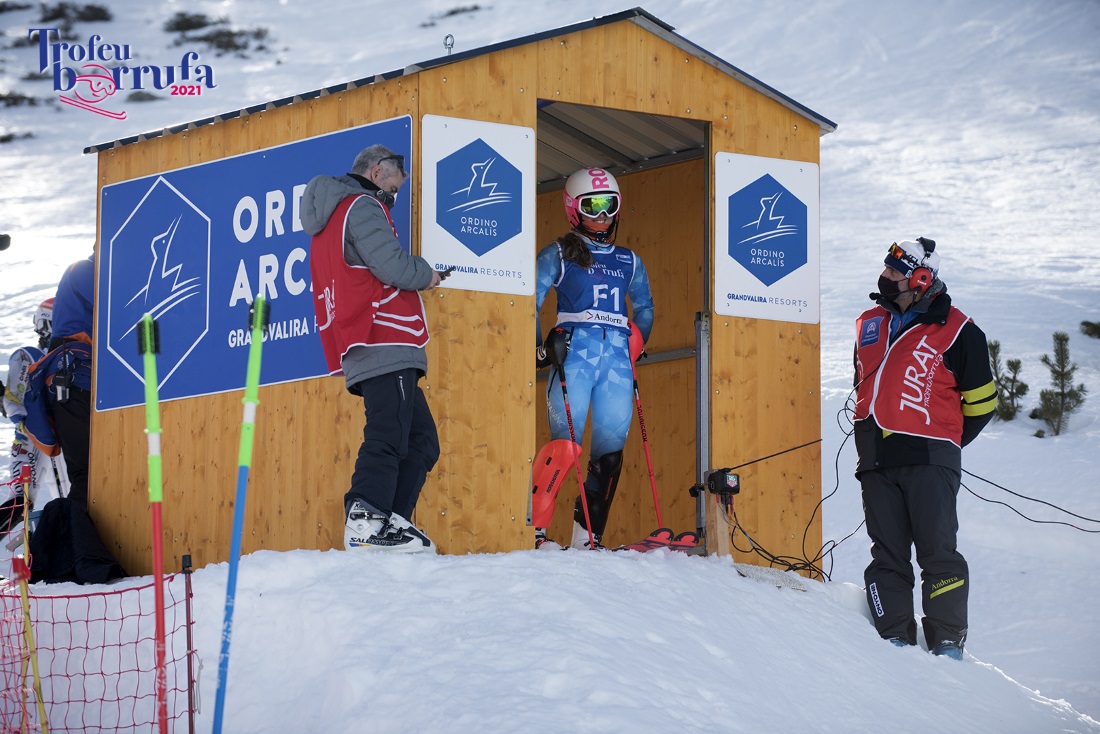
column 368, row 241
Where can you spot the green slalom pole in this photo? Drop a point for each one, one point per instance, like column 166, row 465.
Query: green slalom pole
column 259, row 318
column 149, row 345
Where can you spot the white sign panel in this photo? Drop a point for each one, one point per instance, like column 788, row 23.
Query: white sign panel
column 767, row 238
column 478, row 196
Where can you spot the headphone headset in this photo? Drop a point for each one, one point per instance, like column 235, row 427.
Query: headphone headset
column 920, row 280
column 922, row 277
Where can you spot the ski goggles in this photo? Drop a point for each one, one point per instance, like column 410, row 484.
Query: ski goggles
column 593, row 205
column 901, row 260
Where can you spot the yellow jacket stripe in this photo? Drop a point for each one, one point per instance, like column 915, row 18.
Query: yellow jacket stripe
column 980, row 400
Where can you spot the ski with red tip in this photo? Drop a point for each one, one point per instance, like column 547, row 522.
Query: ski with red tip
column 684, row 542
column 664, row 538
column 659, row 538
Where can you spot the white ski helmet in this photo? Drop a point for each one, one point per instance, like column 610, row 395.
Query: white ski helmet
column 43, row 318
column 43, row 322
column 588, row 193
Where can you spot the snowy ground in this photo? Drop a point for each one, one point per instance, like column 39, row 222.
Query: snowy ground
column 974, row 124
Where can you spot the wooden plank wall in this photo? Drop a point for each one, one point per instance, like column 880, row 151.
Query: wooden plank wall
column 765, row 382
column 481, row 359
column 481, row 383
column 307, row 433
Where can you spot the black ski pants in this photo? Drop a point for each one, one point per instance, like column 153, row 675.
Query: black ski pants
column 400, row 443
column 909, row 506
column 72, row 422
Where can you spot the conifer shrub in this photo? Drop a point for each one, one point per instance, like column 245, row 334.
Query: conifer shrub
column 1010, row 388
column 1059, row 403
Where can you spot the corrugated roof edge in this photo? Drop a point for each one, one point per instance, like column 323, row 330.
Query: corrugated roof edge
column 636, row 15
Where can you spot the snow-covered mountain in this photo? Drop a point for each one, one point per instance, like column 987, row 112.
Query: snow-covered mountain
column 972, row 123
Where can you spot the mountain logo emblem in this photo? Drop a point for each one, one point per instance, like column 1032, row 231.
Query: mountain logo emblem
column 768, row 230
column 159, row 263
column 480, row 197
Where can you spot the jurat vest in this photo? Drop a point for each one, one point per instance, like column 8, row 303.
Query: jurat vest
column 354, row 308
column 905, row 384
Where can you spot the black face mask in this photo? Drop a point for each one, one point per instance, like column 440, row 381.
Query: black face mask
column 890, row 289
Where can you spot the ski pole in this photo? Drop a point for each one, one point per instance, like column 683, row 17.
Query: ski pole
column 148, row 346
column 636, row 348
column 258, row 321
column 558, row 355
column 26, row 477
column 645, row 445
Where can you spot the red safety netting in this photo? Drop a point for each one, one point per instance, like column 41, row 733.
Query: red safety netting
column 96, row 658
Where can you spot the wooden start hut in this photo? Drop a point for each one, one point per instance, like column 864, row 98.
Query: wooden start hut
column 720, row 182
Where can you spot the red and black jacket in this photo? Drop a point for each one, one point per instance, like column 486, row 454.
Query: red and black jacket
column 922, row 393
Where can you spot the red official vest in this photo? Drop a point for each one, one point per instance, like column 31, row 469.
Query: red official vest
column 905, row 384
column 354, row 308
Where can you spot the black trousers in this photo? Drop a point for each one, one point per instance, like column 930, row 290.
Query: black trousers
column 400, row 443
column 911, row 506
column 72, row 422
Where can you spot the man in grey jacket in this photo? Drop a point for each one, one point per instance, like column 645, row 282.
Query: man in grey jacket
column 373, row 330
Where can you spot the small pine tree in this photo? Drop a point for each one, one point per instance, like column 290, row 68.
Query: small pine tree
column 1091, row 328
column 1056, row 406
column 1010, row 388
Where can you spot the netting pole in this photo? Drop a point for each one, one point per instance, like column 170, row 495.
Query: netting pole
column 24, row 664
column 148, row 346
column 186, row 568
column 22, row 572
column 258, row 321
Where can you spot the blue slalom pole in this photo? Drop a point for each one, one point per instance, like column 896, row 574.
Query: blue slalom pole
column 259, row 318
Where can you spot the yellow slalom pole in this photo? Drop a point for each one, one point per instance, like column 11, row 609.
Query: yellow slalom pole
column 22, row 572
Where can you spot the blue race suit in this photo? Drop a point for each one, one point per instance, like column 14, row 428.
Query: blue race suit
column 598, row 374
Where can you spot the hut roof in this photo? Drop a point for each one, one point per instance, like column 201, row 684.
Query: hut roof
column 570, row 135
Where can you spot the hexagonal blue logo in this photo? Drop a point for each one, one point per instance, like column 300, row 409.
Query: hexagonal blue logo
column 159, row 264
column 767, row 230
column 479, row 197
